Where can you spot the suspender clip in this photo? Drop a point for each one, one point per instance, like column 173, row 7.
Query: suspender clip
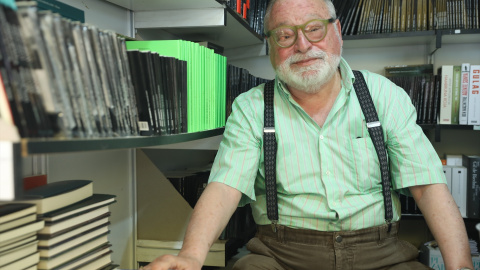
column 274, row 225
column 389, row 223
column 373, row 124
column 268, row 130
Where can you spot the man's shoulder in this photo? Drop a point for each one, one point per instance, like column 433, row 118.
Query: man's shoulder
column 255, row 94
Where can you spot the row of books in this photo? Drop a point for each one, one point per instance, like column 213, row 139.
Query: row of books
column 161, row 92
column 63, row 77
column 460, row 92
column 378, row 16
column 253, row 11
column 239, row 80
column 90, row 86
column 191, row 186
column 60, row 225
column 462, row 173
column 422, row 86
column 206, row 79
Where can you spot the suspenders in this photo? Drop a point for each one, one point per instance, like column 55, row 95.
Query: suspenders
column 374, row 129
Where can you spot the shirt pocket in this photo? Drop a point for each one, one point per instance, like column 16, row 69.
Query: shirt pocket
column 365, row 165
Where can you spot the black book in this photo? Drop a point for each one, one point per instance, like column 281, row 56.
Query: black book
column 93, row 202
column 72, row 261
column 160, row 76
column 56, row 195
column 183, row 93
column 12, row 211
column 472, row 163
column 141, row 95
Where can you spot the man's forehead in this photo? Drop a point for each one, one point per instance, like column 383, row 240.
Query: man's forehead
column 294, row 12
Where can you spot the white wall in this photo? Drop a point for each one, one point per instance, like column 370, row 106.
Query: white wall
column 112, row 172
column 105, row 15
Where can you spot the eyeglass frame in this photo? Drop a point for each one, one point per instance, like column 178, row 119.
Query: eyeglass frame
column 302, row 27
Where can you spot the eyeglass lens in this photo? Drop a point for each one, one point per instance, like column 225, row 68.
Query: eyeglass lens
column 314, row 31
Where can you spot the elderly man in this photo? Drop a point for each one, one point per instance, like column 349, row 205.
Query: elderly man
column 331, row 208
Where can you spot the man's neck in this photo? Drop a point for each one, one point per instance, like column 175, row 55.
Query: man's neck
column 319, row 104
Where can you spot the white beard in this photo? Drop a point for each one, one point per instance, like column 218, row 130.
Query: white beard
column 309, row 78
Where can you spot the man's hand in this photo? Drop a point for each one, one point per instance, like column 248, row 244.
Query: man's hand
column 166, row 262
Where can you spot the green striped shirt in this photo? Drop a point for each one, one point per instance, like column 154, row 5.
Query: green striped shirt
column 328, row 178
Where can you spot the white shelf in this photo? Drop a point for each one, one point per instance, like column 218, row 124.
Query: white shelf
column 198, row 20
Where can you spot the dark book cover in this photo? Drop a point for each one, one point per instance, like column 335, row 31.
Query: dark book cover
column 160, row 92
column 11, row 211
column 141, row 96
column 56, row 188
column 93, row 202
column 48, row 235
column 86, row 257
column 473, row 185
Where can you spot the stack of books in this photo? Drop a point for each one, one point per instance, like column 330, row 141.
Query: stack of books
column 76, row 225
column 18, row 236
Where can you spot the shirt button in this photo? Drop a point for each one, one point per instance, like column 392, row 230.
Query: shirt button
column 321, row 137
column 338, row 238
column 327, row 172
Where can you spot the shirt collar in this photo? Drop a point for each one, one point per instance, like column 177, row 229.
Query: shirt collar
column 348, row 78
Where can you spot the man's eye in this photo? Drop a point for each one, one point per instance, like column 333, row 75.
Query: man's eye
column 284, row 37
column 313, row 29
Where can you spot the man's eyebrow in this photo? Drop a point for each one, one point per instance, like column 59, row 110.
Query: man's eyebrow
column 308, row 16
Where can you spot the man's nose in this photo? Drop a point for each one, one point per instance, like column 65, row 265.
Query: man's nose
column 302, row 44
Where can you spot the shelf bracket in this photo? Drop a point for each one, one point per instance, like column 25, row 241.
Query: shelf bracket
column 436, row 43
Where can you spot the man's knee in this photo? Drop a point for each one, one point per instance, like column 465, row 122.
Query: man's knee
column 254, row 261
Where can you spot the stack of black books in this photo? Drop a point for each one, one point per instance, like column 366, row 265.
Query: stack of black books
column 76, row 225
column 18, row 236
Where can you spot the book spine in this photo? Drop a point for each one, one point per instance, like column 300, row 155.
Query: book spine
column 474, row 96
column 473, row 185
column 456, row 84
column 465, row 83
column 446, row 95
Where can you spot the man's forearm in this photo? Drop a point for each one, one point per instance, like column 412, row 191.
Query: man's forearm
column 445, row 223
column 210, row 216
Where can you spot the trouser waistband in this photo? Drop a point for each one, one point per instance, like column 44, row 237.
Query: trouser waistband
column 313, row 237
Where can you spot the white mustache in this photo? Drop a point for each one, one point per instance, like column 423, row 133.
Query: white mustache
column 309, row 55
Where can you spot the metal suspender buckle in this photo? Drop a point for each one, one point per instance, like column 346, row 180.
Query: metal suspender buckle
column 373, row 124
column 389, row 223
column 274, row 225
column 268, row 130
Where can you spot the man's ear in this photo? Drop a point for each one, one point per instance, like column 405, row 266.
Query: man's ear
column 339, row 26
column 339, row 29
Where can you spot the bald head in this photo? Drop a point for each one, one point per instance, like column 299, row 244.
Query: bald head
column 266, row 21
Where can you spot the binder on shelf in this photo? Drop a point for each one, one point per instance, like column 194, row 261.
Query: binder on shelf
column 459, row 188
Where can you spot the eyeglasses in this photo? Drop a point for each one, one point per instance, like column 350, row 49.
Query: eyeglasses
column 314, row 30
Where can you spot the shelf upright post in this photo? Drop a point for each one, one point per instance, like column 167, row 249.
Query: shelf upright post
column 10, row 171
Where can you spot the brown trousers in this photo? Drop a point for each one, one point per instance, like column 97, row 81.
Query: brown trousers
column 298, row 249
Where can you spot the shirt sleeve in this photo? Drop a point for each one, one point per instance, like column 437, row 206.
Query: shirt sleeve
column 413, row 160
column 236, row 163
